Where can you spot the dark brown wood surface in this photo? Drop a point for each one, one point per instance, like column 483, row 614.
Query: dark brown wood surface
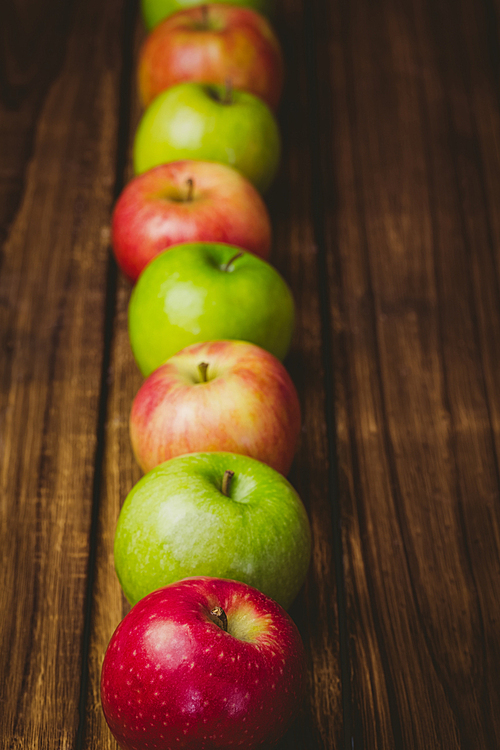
column 386, row 216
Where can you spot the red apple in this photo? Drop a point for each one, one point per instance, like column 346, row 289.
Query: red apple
column 204, row 663
column 213, row 43
column 217, row 396
column 187, row 201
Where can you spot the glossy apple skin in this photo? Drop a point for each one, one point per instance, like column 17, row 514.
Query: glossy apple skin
column 176, row 522
column 213, row 43
column 172, row 678
column 154, row 11
column 248, row 405
column 193, row 121
column 185, row 296
column 153, row 213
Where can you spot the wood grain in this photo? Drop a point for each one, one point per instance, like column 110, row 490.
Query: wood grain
column 414, row 300
column 120, row 471
column 296, row 256
column 52, row 291
column 33, row 37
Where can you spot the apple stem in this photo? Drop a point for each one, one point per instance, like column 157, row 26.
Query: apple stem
column 230, row 262
column 190, row 188
column 203, row 367
column 220, row 616
column 228, row 96
column 226, row 482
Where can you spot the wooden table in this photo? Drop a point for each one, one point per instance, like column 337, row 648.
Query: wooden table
column 387, row 227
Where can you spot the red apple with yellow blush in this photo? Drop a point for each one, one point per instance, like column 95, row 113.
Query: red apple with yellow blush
column 217, row 396
column 187, row 201
column 213, row 43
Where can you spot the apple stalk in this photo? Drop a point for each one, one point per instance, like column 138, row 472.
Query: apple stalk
column 233, row 259
column 226, row 482
column 202, row 368
column 228, row 94
column 220, row 617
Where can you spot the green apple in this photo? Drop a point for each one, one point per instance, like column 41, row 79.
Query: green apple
column 210, row 122
column 213, row 514
column 154, row 11
column 206, row 292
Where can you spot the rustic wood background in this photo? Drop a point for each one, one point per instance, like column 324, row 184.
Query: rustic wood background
column 386, row 214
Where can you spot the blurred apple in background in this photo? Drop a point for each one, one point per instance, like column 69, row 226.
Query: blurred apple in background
column 204, row 663
column 208, row 122
column 216, row 514
column 154, row 11
column 213, row 43
column 207, row 292
column 187, row 201
column 217, row 396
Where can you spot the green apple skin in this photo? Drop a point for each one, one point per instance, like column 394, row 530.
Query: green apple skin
column 186, row 295
column 154, row 11
column 193, row 121
column 176, row 523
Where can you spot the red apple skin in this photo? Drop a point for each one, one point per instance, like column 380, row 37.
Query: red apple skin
column 156, row 210
column 172, row 678
column 213, row 43
column 249, row 405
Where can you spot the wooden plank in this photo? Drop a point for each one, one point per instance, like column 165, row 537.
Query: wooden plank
column 32, row 45
column 296, row 257
column 120, row 470
column 414, row 302
column 119, row 476
column 52, row 288
column 471, row 326
column 320, row 725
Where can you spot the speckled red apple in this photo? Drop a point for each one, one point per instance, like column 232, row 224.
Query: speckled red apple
column 217, row 396
column 204, row 663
